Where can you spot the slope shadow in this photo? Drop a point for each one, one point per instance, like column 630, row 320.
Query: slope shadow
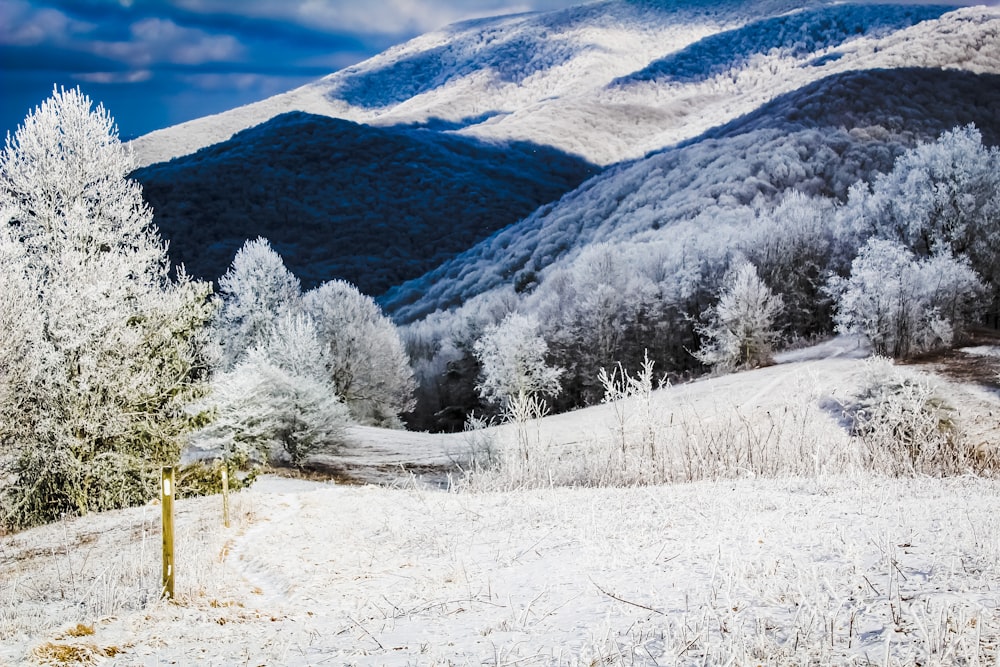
column 374, row 206
column 797, row 34
column 920, row 103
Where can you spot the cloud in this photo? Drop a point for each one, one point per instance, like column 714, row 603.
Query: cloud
column 371, row 17
column 154, row 40
column 24, row 25
column 135, row 76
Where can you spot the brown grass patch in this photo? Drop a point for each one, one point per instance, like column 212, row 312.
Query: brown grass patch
column 52, row 653
column 79, row 630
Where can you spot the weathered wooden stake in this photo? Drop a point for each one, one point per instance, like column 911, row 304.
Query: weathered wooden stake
column 225, row 495
column 167, row 488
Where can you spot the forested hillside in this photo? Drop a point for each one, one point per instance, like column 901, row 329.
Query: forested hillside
column 630, row 263
column 817, row 141
column 374, row 206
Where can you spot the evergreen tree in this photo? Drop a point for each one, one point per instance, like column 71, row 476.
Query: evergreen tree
column 116, row 351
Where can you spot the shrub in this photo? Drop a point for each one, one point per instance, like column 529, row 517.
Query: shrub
column 906, row 424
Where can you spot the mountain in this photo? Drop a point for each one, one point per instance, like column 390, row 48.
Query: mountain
column 818, row 140
column 375, row 206
column 599, row 84
column 595, row 80
column 750, row 129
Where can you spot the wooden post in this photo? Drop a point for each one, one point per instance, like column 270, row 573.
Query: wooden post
column 225, row 494
column 167, row 489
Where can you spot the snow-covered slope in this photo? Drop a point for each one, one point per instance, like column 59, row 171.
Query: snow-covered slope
column 613, row 80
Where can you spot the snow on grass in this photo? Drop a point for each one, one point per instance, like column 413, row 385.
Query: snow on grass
column 982, row 350
column 829, row 570
column 101, row 567
column 813, row 566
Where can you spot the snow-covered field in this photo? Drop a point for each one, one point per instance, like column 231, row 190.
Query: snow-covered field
column 822, row 568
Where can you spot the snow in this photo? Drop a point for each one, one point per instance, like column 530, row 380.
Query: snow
column 982, row 350
column 846, row 347
column 571, row 93
column 785, row 571
column 838, row 567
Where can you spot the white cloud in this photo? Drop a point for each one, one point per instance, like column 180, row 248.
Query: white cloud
column 226, row 81
column 136, row 76
column 161, row 40
column 24, row 25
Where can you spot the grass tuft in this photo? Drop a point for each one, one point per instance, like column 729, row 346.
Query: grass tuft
column 80, row 630
column 52, row 653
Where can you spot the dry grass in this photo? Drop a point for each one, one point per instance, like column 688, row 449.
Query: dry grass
column 51, row 653
column 79, row 630
column 651, row 443
column 85, row 572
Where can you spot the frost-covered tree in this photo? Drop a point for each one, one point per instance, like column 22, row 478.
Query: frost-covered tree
column 794, row 248
column 740, row 330
column 940, row 198
column 115, row 344
column 511, row 355
column 22, row 346
column 903, row 304
column 365, row 356
column 256, row 291
column 277, row 403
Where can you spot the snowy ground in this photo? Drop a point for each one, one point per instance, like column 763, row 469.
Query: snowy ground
column 844, row 568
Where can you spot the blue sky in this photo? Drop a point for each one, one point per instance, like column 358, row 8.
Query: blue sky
column 155, row 63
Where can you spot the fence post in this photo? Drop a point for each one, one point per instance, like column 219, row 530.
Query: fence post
column 225, row 494
column 167, row 489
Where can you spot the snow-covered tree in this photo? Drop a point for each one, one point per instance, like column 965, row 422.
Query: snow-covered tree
column 512, row 360
column 255, row 292
column 903, row 304
column 22, row 346
column 277, row 402
column 794, row 248
column 740, row 330
column 365, row 356
column 116, row 344
column 940, row 198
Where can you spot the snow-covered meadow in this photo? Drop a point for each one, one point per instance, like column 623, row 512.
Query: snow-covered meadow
column 830, row 565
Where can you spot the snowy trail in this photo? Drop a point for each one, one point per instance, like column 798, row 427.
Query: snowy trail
column 270, row 584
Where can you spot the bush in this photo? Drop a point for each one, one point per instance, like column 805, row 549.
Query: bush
column 204, row 477
column 906, row 424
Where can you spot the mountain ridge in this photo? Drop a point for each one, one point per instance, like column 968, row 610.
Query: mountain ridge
column 589, row 49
